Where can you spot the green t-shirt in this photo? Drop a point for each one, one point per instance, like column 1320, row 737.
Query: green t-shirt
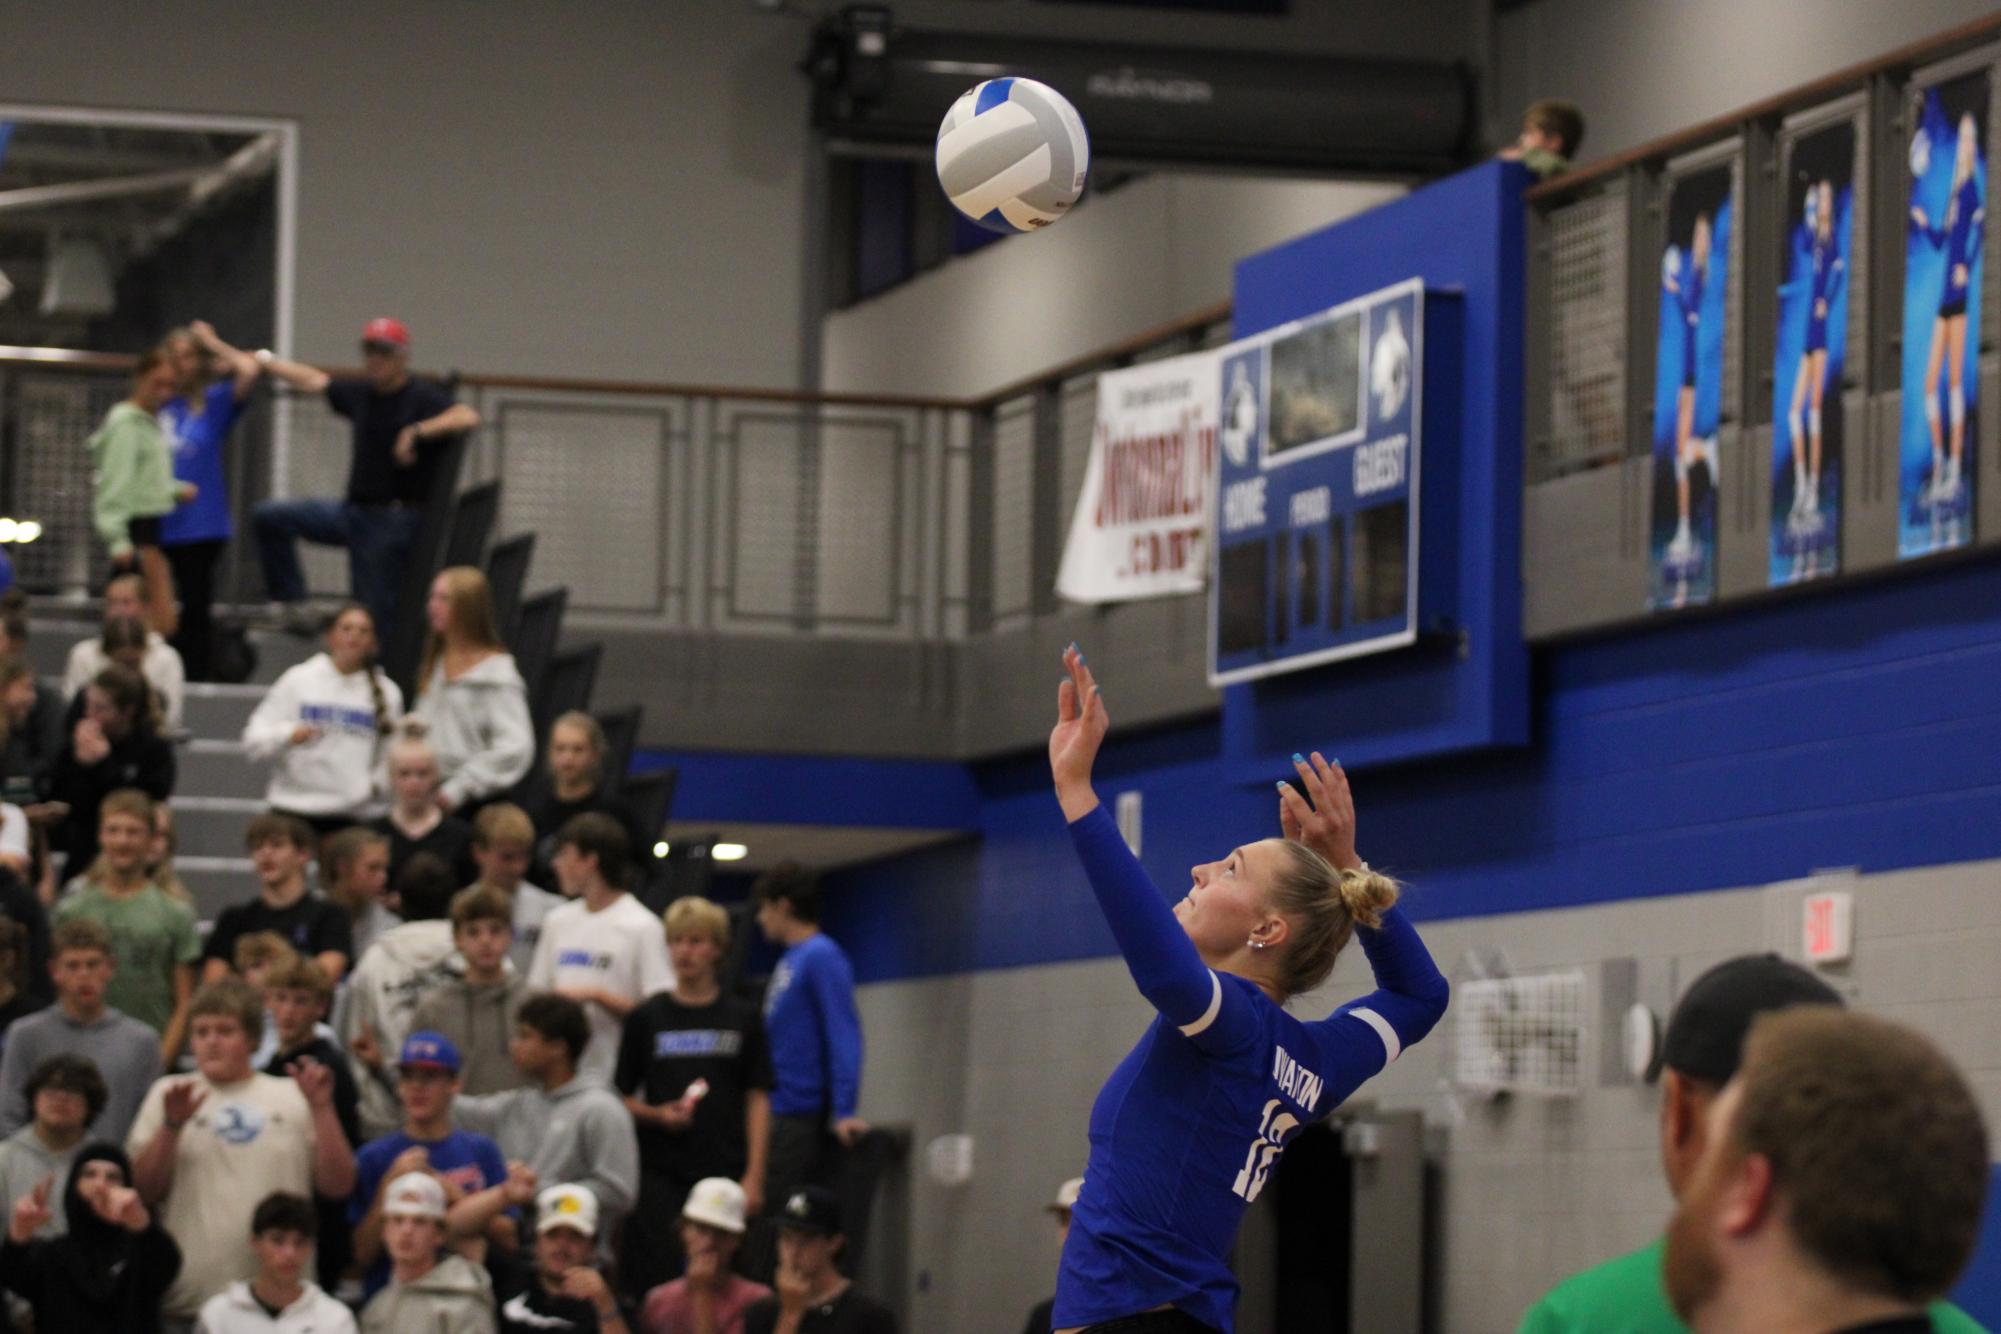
column 151, row 935
column 1628, row 1296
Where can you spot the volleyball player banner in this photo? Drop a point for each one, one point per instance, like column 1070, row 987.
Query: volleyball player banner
column 1141, row 524
column 1688, row 387
column 1811, row 346
column 1317, row 481
column 1945, row 221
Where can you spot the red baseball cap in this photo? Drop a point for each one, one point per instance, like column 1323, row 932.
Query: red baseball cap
column 382, row 329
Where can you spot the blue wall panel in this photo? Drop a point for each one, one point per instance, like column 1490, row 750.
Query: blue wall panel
column 1462, row 236
column 1857, row 727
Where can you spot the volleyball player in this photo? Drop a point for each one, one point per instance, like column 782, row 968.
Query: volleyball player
column 1686, row 288
column 1190, row 1125
column 1810, row 384
column 1959, row 236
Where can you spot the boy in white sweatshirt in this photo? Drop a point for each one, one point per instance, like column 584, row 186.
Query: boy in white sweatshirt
column 322, row 726
column 280, row 1299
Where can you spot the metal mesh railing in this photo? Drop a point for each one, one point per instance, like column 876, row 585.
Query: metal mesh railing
column 688, row 509
column 1587, row 335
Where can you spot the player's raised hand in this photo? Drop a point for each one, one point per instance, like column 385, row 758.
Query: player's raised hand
column 1327, row 825
column 314, row 1080
column 519, row 1188
column 31, row 1211
column 1081, row 724
column 123, row 1206
column 182, row 1099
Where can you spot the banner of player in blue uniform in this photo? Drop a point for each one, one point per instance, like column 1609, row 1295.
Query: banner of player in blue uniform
column 1811, row 347
column 1688, row 388
column 1942, row 268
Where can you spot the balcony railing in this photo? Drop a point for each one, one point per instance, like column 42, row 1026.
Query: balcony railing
column 702, row 508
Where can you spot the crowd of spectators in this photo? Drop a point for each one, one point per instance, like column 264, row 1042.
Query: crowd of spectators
column 443, row 1069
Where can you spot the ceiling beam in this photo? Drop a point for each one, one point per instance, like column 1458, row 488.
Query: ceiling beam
column 117, row 187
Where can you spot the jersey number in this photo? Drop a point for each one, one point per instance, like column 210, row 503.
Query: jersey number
column 1265, row 1150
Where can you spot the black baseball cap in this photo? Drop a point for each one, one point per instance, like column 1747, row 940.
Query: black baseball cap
column 810, row 1209
column 1705, row 1034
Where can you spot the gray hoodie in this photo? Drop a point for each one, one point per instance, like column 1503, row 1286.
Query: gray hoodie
column 456, row 1297
column 381, row 995
column 24, row 1161
column 479, row 728
column 125, row 1051
column 479, row 1021
column 580, row 1134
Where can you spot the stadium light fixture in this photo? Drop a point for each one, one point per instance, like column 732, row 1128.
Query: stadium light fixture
column 729, row 852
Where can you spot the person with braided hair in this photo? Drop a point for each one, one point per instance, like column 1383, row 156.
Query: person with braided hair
column 323, row 725
column 1188, row 1128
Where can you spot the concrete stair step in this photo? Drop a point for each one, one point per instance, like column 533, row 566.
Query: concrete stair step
column 215, row 768
column 218, row 712
column 216, row 883
column 50, row 639
column 213, row 826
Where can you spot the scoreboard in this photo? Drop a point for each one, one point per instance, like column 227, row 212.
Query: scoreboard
column 1315, row 556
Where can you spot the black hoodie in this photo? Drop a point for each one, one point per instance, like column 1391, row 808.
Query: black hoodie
column 97, row 1276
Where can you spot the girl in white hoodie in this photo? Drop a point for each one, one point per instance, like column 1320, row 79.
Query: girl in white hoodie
column 323, row 724
column 470, row 695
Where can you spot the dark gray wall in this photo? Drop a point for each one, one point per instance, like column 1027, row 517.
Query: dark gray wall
column 574, row 189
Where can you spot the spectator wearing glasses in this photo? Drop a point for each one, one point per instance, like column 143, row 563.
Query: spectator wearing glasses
column 400, row 424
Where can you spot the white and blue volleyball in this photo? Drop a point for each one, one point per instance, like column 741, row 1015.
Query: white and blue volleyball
column 1012, row 155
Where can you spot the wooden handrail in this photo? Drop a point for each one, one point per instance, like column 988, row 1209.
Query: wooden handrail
column 1936, row 47
column 66, row 359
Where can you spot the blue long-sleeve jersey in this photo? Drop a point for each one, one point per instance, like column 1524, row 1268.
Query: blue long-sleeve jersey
column 1188, row 1128
column 1688, row 291
column 813, row 1031
column 1960, row 234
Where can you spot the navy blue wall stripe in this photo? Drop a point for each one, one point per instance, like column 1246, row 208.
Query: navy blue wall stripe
column 1859, row 727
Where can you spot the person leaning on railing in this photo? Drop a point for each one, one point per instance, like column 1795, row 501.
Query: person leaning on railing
column 400, row 424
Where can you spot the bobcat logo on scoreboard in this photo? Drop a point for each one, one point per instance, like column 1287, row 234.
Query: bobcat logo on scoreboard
column 1389, row 368
column 1240, row 416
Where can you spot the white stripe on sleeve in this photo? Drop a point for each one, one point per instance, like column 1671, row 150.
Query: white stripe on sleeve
column 1391, row 1044
column 1208, row 1015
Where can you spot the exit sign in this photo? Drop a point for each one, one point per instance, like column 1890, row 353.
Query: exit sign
column 1828, row 934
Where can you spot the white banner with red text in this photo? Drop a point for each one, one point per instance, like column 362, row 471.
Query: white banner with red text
column 1141, row 527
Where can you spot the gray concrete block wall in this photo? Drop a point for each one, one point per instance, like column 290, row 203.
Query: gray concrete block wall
column 1532, row 1189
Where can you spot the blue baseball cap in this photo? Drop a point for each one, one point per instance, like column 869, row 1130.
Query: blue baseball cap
column 435, row 1050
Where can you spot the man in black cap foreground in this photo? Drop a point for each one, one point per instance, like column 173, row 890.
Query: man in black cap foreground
column 1699, row 1056
column 811, row 1297
column 1842, row 1186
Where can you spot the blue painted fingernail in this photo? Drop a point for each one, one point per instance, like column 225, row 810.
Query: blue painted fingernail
column 1281, row 786
column 1297, row 758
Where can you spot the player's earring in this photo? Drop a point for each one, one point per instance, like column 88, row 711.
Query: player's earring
column 1255, row 943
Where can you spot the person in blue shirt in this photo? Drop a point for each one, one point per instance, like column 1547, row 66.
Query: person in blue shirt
column 1959, row 236
column 1188, row 1128
column 467, row 1163
column 814, row 1036
column 1810, row 384
column 1685, row 284
column 198, row 420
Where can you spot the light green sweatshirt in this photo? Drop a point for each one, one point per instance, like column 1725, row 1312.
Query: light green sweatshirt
column 135, row 474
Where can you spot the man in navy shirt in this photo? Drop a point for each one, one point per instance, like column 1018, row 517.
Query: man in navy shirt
column 400, row 423
column 814, row 1036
